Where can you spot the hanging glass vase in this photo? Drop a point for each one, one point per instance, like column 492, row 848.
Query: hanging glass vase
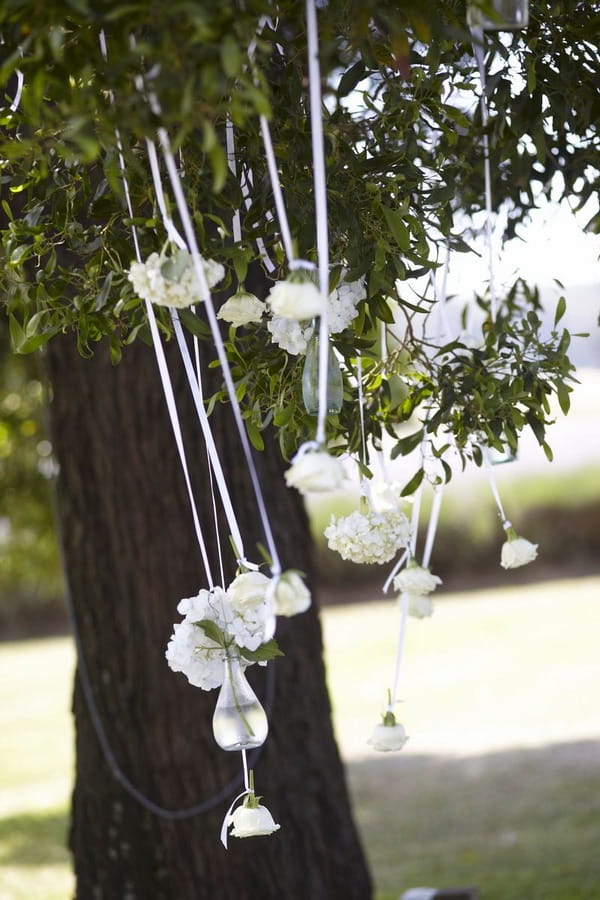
column 310, row 379
column 239, row 721
column 509, row 15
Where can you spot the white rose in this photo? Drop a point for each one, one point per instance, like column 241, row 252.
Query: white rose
column 517, row 551
column 315, row 471
column 248, row 589
column 420, row 606
column 295, row 300
column 242, row 309
column 416, row 580
column 291, row 595
column 251, row 821
column 388, row 737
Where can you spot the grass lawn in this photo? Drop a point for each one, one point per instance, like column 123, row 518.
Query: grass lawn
column 499, row 785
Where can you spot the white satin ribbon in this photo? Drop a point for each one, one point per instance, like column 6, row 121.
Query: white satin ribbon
column 494, row 488
column 236, row 225
column 244, row 793
column 434, row 516
column 399, row 651
column 319, row 176
column 160, row 355
column 284, row 227
column 477, row 36
column 194, row 251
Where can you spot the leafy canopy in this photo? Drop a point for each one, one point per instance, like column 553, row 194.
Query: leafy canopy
column 403, row 136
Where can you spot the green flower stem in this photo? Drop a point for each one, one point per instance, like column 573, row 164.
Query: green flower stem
column 239, row 711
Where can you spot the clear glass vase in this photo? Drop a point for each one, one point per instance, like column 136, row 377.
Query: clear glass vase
column 510, row 15
column 239, row 721
column 310, row 380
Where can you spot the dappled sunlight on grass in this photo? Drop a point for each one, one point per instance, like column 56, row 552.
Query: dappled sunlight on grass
column 36, row 760
column 498, row 786
column 517, row 824
column 490, row 670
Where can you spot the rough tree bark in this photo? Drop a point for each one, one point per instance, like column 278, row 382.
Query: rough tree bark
column 130, row 555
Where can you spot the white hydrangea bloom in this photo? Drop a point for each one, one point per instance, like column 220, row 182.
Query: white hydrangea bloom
column 517, row 551
column 371, row 537
column 343, row 302
column 289, row 334
column 199, row 658
column 315, row 472
column 242, row 309
column 248, row 618
column 291, row 594
column 415, row 579
column 214, row 272
column 251, row 626
column 172, row 281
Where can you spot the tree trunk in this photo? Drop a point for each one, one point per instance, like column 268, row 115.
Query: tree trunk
column 130, row 556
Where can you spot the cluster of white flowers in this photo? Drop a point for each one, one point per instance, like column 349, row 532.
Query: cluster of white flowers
column 315, row 472
column 242, row 309
column 370, row 537
column 416, row 584
column 517, row 551
column 293, row 303
column 243, row 615
column 343, row 301
column 289, row 334
column 190, row 650
column 172, row 281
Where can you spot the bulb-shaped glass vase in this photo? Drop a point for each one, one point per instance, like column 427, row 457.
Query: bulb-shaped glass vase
column 239, row 721
column 310, row 379
column 509, row 15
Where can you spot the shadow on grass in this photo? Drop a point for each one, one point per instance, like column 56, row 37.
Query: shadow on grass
column 33, row 839
column 516, row 824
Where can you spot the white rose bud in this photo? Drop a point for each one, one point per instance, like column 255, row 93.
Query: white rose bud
column 251, row 821
column 416, row 580
column 298, row 300
column 388, row 737
column 242, row 309
column 517, row 551
column 420, row 606
column 291, row 595
column 248, row 589
column 315, row 471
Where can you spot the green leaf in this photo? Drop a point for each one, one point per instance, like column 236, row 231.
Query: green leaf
column 264, row 653
column 351, row 78
column 102, row 295
column 231, row 56
column 212, row 631
column 563, row 394
column 395, row 222
column 406, row 445
column 413, row 484
column 255, row 436
column 194, row 324
column 560, row 310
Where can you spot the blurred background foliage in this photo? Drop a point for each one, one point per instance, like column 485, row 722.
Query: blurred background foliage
column 30, row 575
column 559, row 509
